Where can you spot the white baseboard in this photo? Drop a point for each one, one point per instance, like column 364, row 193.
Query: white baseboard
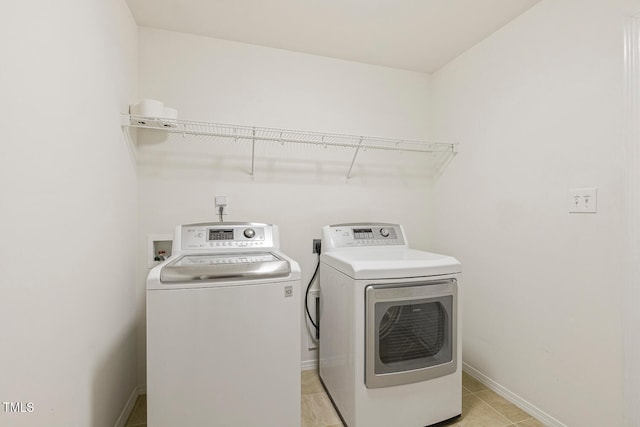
column 523, row 404
column 128, row 407
column 309, row 365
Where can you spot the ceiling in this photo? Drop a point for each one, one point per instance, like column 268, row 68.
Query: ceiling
column 418, row 35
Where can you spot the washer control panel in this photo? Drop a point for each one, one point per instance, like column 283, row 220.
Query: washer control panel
column 368, row 234
column 227, row 236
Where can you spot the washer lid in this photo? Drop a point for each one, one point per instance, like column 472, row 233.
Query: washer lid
column 225, row 266
column 390, row 263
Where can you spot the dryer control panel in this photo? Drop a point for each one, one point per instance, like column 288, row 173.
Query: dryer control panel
column 224, row 236
column 359, row 235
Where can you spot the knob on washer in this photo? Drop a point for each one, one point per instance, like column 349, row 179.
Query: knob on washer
column 384, row 232
column 249, row 233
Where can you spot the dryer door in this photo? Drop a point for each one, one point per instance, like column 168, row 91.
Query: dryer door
column 410, row 332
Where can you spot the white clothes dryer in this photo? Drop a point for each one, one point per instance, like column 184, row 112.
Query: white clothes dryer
column 390, row 341
column 223, row 330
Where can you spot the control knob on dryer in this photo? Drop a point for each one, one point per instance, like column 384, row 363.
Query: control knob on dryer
column 384, row 232
column 249, row 233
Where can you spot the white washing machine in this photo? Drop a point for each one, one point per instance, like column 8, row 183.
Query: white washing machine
column 390, row 348
column 223, row 330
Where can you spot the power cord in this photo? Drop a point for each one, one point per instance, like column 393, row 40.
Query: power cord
column 306, row 296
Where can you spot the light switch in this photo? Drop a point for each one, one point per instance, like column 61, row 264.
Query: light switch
column 583, row 200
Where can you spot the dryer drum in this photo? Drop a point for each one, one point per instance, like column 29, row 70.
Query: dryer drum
column 411, row 332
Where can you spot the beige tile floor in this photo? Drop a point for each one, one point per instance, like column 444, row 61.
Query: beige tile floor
column 481, row 407
column 138, row 417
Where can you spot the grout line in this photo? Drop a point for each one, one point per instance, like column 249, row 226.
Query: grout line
column 514, row 423
column 537, row 413
column 510, row 423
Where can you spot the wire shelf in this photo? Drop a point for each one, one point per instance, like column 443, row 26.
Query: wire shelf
column 256, row 134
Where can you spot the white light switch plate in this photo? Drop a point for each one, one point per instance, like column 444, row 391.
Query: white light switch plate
column 583, row 200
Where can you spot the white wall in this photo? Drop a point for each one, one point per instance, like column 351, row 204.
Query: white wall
column 68, row 209
column 538, row 109
column 631, row 318
column 299, row 188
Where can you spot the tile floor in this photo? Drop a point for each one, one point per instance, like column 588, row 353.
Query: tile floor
column 138, row 417
column 481, row 407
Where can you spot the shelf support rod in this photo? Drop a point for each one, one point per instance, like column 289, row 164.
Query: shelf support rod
column 354, row 157
column 253, row 149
